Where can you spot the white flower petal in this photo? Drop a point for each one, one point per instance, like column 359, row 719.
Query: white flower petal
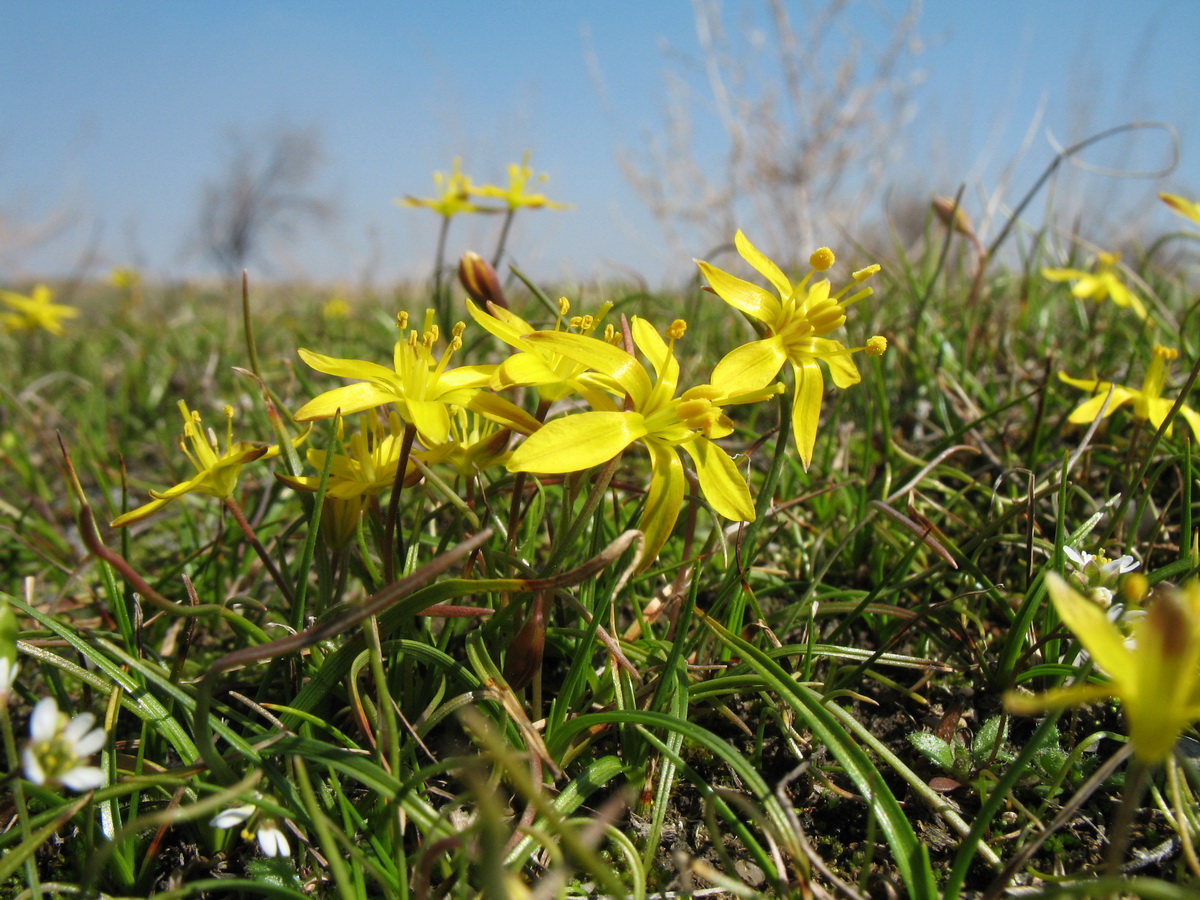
column 272, row 842
column 33, row 768
column 1080, row 559
column 231, row 817
column 83, row 778
column 43, row 724
column 8, row 676
column 90, row 743
column 78, row 727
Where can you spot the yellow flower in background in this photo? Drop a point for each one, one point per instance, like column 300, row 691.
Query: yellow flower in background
column 125, row 278
column 656, row 417
column 1183, row 206
column 217, row 470
column 453, row 194
column 516, row 195
column 335, row 308
column 1103, row 283
column 797, row 321
column 35, row 311
column 1149, row 404
column 421, row 384
column 538, row 364
column 1154, row 671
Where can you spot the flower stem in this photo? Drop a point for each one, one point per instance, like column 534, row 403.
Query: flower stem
column 393, row 546
column 508, row 218
column 18, row 792
column 232, row 505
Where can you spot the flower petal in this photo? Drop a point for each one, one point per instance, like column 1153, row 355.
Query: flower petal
column 348, row 399
column 720, row 481
column 1100, row 637
column 578, row 442
column 806, row 411
column 83, row 778
column 596, row 354
column 357, row 369
column 750, row 367
column 663, row 501
column 742, row 295
column 43, row 723
column 764, row 266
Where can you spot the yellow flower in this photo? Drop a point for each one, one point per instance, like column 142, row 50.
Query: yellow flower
column 1101, row 284
column 454, row 194
column 366, row 470
column 216, row 473
column 1148, row 403
column 1155, row 672
column 516, row 194
column 656, row 417
column 125, row 278
column 35, row 311
column 421, row 385
column 797, row 322
column 538, row 364
column 1183, row 206
column 335, row 308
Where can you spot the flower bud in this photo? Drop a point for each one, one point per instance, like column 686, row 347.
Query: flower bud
column 524, row 657
column 953, row 216
column 480, row 281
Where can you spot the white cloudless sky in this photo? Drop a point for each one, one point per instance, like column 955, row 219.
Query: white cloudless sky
column 113, row 114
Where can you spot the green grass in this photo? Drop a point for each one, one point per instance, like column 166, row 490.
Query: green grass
column 739, row 715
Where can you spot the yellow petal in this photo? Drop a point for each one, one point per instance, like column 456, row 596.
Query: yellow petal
column 750, row 367
column 841, row 364
column 1100, row 637
column 524, row 369
column 806, row 411
column 431, row 419
column 503, row 412
column 650, row 342
column 347, row 368
column 596, row 354
column 664, row 500
column 1063, row 274
column 137, row 515
column 720, row 481
column 765, row 267
column 349, row 399
column 742, row 295
column 1057, row 698
column 1182, row 205
column 578, row 442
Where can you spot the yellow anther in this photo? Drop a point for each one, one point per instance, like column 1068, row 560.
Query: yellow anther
column 822, row 259
column 459, row 328
column 864, row 274
column 402, row 320
column 564, row 306
column 1108, row 260
column 610, row 334
column 876, row 345
column 228, row 411
column 676, row 329
column 575, row 322
column 587, row 324
column 1165, row 353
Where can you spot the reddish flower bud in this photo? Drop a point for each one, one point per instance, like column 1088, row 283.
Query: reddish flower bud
column 480, row 280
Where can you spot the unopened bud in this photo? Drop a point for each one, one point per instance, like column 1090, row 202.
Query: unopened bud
column 480, row 281
column 953, row 216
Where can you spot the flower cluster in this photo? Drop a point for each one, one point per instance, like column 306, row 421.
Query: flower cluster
column 438, row 412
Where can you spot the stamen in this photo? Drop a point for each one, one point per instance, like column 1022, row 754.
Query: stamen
column 821, row 259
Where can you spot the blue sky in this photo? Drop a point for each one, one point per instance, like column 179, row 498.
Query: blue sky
column 112, row 114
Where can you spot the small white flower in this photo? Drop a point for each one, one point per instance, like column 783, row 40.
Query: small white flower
column 270, row 837
column 58, row 749
column 1094, row 574
column 272, row 840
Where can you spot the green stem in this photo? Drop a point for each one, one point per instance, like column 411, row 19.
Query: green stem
column 18, row 792
column 508, row 218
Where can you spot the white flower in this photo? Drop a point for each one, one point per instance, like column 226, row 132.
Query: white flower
column 58, row 749
column 271, row 839
column 1094, row 574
